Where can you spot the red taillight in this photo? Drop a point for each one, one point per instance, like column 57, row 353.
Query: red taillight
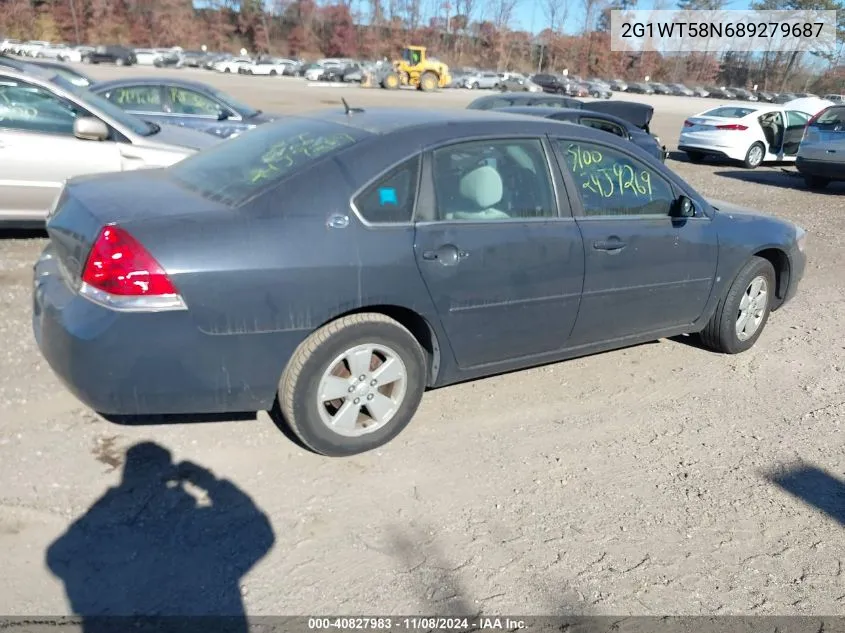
column 688, row 123
column 812, row 120
column 732, row 126
column 119, row 265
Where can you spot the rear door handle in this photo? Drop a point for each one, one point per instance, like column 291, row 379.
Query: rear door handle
column 609, row 245
column 448, row 255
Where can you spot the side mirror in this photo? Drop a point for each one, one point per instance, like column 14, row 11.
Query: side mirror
column 684, row 208
column 222, row 115
column 90, row 128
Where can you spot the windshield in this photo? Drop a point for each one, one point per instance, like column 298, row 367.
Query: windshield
column 105, row 106
column 244, row 110
column 237, row 170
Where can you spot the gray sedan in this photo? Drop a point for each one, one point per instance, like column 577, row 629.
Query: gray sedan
column 451, row 245
column 51, row 130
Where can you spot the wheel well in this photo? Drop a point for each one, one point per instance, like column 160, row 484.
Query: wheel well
column 780, row 262
column 417, row 325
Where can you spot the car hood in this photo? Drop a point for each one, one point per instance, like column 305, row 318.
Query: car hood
column 264, row 117
column 637, row 113
column 810, row 105
column 170, row 136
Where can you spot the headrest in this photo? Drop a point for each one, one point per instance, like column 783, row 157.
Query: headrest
column 483, row 186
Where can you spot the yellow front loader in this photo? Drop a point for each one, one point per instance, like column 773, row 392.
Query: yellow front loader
column 414, row 70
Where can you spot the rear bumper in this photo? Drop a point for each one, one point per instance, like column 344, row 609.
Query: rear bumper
column 701, row 149
column 151, row 363
column 823, row 169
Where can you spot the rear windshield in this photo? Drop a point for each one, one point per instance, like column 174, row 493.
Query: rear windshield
column 833, row 117
column 237, row 169
column 729, row 112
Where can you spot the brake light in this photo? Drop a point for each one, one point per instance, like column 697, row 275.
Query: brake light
column 121, row 274
column 812, row 121
column 732, row 126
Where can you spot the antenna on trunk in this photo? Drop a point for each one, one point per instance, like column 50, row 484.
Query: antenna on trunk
column 348, row 108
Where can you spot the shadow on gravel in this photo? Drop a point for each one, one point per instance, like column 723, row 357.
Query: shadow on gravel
column 23, row 234
column 813, row 486
column 783, row 180
column 170, row 540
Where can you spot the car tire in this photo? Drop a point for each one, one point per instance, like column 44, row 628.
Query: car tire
column 119, row 62
column 754, row 156
column 695, row 157
column 227, row 70
column 475, row 86
column 743, row 300
column 322, row 359
column 429, row 82
column 273, row 73
column 816, row 182
column 86, row 59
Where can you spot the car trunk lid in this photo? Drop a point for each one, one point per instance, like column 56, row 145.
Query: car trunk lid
column 88, row 203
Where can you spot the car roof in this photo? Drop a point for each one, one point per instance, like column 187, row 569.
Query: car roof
column 151, row 81
column 549, row 112
column 17, row 66
column 387, row 121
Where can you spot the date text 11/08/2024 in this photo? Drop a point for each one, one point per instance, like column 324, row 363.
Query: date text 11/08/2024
column 417, row 624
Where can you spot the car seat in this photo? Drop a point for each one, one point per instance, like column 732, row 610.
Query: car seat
column 483, row 188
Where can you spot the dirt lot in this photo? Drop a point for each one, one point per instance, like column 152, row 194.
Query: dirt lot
column 635, row 482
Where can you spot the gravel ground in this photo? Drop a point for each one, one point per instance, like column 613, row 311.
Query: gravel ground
column 646, row 481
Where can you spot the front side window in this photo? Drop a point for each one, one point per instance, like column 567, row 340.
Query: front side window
column 611, row 183
column 391, row 198
column 30, row 108
column 493, row 180
column 794, row 118
column 184, row 101
column 136, row 98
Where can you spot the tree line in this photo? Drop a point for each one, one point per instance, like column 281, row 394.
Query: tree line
column 463, row 33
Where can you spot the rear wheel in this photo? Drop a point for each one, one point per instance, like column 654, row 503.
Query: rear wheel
column 119, row 62
column 226, row 70
column 742, row 312
column 273, row 73
column 816, row 182
column 428, row 82
column 695, row 157
column 475, row 86
column 754, row 156
column 353, row 385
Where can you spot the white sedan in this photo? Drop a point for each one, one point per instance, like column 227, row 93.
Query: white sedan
column 269, row 66
column 752, row 133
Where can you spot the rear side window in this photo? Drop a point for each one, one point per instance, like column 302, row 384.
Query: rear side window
column 238, row 169
column 390, row 199
column 729, row 112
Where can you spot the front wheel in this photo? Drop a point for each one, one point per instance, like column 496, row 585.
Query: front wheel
column 353, row 385
column 742, row 312
column 119, row 62
column 475, row 86
column 754, row 157
column 273, row 73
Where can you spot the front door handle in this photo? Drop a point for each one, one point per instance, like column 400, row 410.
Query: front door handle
column 612, row 244
column 448, row 255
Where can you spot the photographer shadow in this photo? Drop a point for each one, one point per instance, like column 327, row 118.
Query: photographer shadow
column 164, row 550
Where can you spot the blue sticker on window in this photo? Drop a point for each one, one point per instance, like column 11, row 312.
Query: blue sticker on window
column 387, row 195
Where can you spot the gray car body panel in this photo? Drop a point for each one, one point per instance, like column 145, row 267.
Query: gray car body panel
column 256, row 286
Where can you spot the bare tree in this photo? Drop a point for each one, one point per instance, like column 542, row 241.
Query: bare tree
column 556, row 12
